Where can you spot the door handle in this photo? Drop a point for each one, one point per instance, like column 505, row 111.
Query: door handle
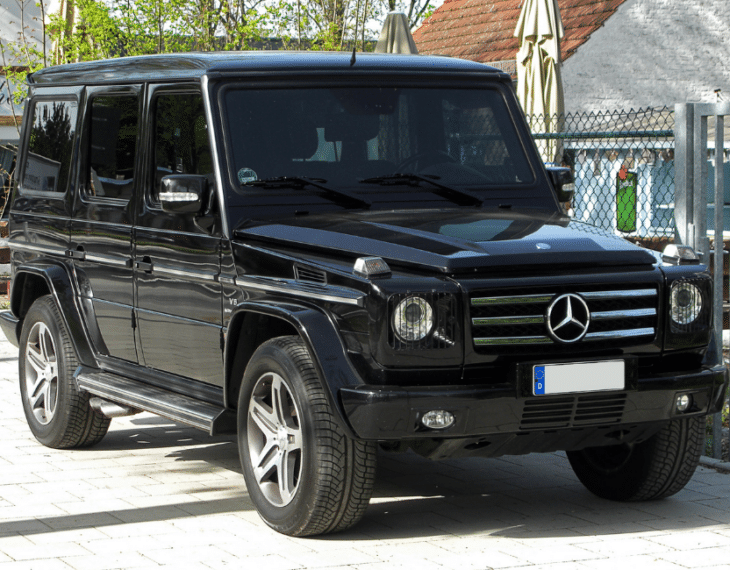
column 144, row 265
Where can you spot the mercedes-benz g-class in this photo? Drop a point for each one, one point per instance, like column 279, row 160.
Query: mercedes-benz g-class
column 327, row 253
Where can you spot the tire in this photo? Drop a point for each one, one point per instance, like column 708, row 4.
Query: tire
column 57, row 413
column 302, row 472
column 656, row 468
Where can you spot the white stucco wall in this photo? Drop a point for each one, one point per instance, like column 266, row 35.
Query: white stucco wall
column 652, row 53
column 17, row 15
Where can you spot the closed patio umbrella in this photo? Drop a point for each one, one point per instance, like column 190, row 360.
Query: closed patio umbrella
column 539, row 86
column 396, row 37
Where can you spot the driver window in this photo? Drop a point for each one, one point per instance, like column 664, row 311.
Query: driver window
column 181, row 144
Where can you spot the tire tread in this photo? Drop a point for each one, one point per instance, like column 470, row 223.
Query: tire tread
column 82, row 426
column 656, row 468
column 346, row 467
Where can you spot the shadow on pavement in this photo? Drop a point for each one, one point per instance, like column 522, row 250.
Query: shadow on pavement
column 42, row 525
column 522, row 497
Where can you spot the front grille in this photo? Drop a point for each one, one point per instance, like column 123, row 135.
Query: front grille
column 572, row 411
column 505, row 322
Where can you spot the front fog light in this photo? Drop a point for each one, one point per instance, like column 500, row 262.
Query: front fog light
column 438, row 419
column 413, row 319
column 684, row 402
column 685, row 303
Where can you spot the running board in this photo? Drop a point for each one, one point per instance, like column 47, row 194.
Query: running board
column 213, row 419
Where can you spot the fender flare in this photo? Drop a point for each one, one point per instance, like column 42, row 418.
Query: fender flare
column 325, row 345
column 60, row 286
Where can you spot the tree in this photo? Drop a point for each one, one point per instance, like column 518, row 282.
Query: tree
column 24, row 53
column 415, row 10
column 326, row 24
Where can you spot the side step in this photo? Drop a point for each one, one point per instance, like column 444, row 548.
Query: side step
column 208, row 417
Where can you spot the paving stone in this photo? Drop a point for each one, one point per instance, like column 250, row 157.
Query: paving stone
column 155, row 494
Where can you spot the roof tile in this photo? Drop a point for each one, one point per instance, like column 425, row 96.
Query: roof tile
column 482, row 30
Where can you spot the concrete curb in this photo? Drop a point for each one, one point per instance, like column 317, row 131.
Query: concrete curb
column 717, row 464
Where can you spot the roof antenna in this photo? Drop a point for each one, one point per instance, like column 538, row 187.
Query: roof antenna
column 352, row 59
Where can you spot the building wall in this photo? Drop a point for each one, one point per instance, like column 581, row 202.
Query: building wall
column 652, row 53
column 16, row 15
column 20, row 14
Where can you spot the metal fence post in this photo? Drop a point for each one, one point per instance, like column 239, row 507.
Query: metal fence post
column 684, row 172
column 719, row 262
column 701, row 114
column 691, row 201
column 699, row 193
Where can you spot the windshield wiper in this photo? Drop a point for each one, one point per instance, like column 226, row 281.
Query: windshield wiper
column 342, row 197
column 460, row 197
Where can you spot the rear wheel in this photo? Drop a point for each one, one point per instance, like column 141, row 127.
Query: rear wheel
column 656, row 468
column 58, row 414
column 302, row 472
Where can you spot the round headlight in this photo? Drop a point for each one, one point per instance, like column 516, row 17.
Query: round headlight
column 413, row 319
column 685, row 303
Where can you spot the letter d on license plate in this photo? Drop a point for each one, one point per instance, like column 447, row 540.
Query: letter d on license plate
column 578, row 377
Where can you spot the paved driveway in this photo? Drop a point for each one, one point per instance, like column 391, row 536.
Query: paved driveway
column 156, row 494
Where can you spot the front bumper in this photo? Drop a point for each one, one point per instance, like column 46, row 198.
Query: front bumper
column 394, row 413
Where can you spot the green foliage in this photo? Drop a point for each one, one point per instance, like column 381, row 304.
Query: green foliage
column 100, row 29
column 96, row 35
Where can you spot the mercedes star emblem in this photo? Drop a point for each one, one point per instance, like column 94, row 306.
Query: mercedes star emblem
column 568, row 318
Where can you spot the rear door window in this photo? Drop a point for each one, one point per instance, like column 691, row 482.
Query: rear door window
column 113, row 146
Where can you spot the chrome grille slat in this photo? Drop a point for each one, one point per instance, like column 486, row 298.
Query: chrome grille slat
column 510, row 299
column 618, row 294
column 609, row 335
column 528, row 320
column 484, row 341
column 601, row 315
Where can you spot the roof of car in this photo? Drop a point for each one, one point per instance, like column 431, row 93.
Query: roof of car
column 186, row 66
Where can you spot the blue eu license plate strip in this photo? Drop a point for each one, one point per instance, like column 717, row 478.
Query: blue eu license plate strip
column 578, row 377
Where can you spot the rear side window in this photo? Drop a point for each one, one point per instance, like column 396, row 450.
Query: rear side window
column 113, row 140
column 48, row 160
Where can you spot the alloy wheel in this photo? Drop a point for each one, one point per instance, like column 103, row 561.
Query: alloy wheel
column 41, row 373
column 275, row 439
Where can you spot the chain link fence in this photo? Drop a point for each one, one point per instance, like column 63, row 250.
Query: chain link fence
column 624, row 168
column 623, row 162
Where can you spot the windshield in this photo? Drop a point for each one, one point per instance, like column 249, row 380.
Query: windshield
column 353, row 136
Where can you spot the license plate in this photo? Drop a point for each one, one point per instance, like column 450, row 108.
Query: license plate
column 578, row 377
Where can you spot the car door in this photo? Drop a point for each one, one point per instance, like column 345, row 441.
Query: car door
column 101, row 227
column 177, row 260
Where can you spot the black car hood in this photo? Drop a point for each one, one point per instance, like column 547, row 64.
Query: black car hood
column 453, row 241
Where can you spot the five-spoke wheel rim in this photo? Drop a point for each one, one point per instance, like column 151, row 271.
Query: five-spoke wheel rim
column 41, row 373
column 275, row 439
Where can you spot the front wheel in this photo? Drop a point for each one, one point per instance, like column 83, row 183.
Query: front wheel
column 656, row 468
column 302, row 472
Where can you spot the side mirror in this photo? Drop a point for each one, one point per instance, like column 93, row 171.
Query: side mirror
column 563, row 182
column 183, row 193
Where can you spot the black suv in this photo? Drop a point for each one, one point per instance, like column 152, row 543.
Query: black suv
column 327, row 253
